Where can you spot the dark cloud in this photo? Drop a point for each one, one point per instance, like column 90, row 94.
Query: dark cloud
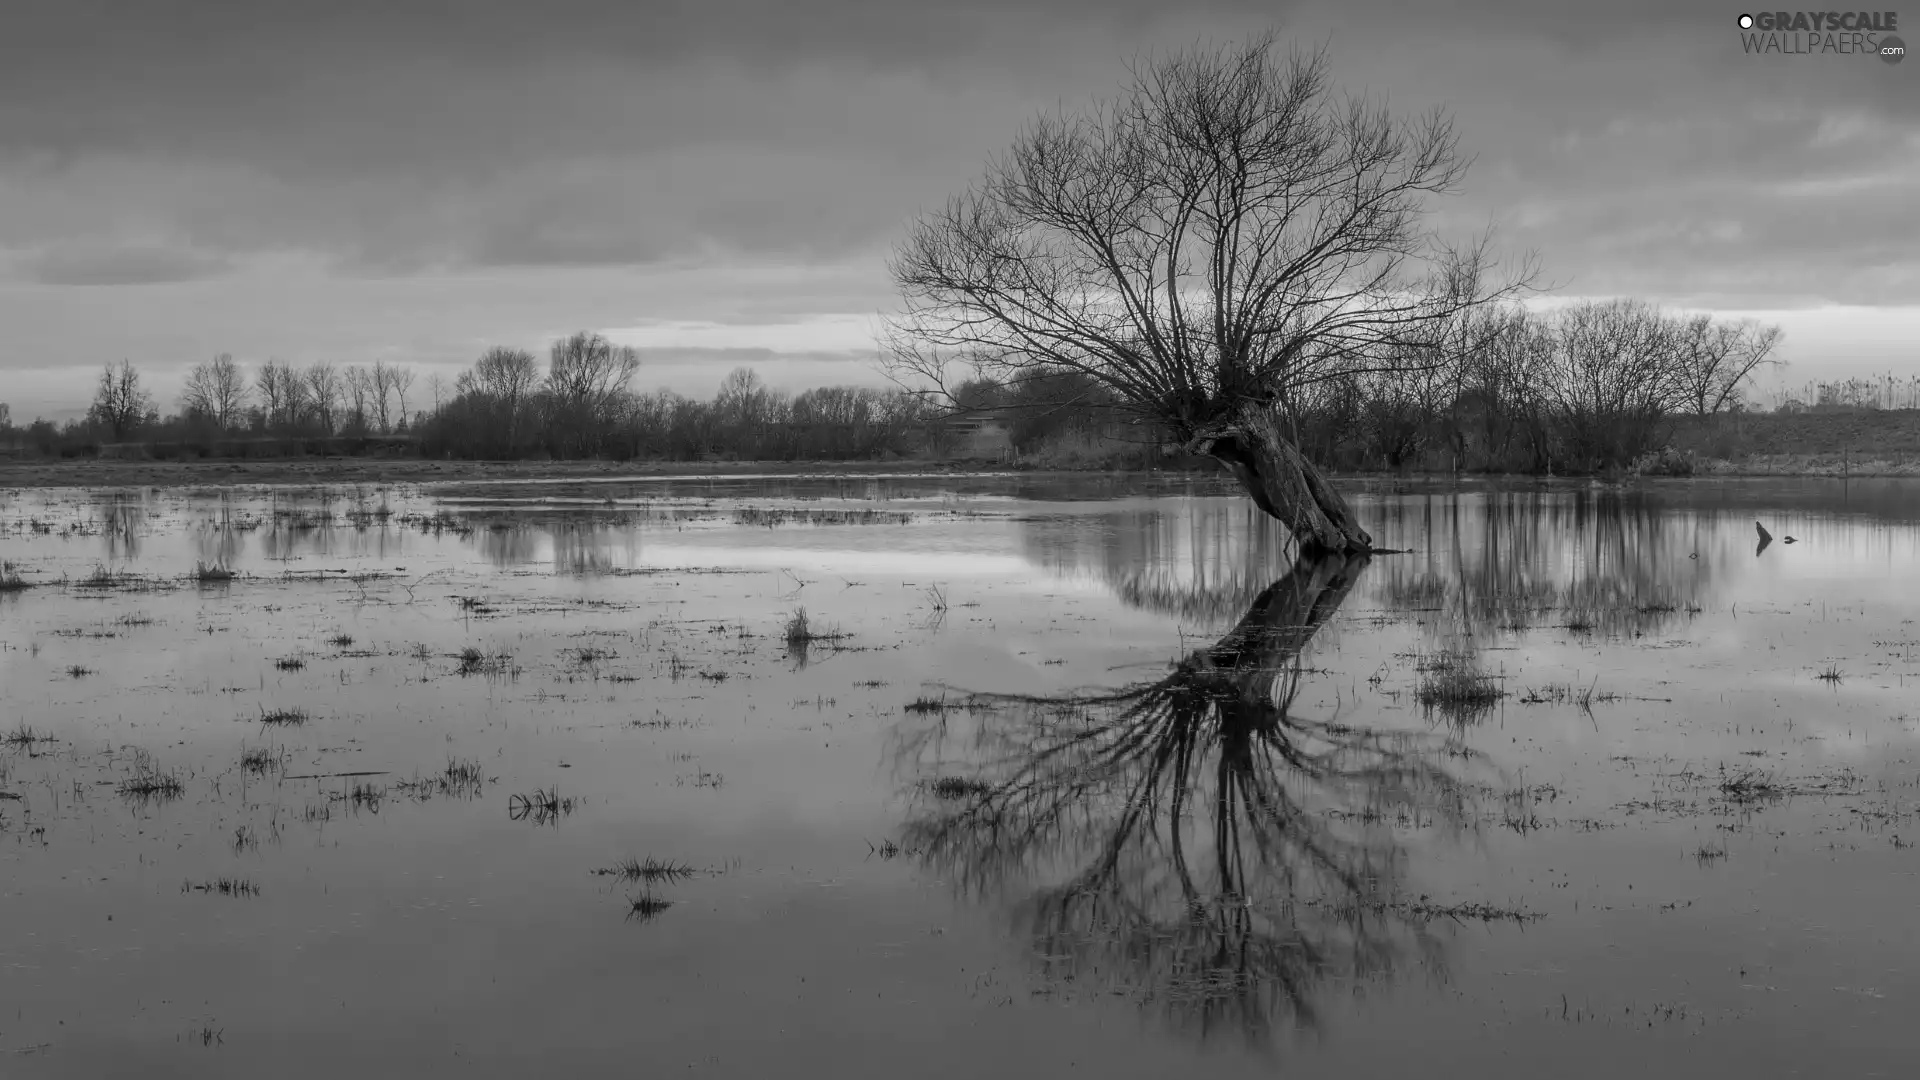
column 120, row 264
column 456, row 144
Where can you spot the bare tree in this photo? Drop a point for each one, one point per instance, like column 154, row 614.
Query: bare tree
column 1714, row 360
column 119, row 403
column 401, row 380
column 381, row 386
column 324, row 391
column 506, row 377
column 1225, row 234
column 586, row 373
column 437, row 386
column 359, row 384
column 216, row 389
column 282, row 394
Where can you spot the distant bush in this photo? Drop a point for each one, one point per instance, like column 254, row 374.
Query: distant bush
column 1665, row 461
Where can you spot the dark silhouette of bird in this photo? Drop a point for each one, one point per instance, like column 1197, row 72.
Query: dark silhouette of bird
column 1788, row 540
column 1764, row 534
column 1695, row 555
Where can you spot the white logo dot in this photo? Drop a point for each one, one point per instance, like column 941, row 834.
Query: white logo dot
column 1746, row 22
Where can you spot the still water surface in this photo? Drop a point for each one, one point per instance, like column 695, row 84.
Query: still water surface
column 1078, row 774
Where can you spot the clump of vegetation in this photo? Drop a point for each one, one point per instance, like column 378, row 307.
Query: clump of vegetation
column 10, row 579
column 801, row 631
column 1830, row 673
column 957, row 787
column 24, row 737
column 1459, row 692
column 211, row 573
column 462, row 778
column 474, row 662
column 290, row 663
column 149, row 781
column 647, row 870
column 341, row 641
column 78, row 672
column 294, row 716
column 365, row 796
column 260, row 759
column 1749, row 787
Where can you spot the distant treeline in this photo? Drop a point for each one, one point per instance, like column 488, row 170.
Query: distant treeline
column 1581, row 388
column 507, row 406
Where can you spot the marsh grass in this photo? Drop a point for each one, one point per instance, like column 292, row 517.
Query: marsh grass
column 646, row 870
column 769, row 517
column 1749, row 786
column 149, row 781
column 212, row 573
column 78, row 672
column 260, row 759
column 341, row 641
column 225, row 886
column 283, row 717
column 1458, row 692
column 24, row 737
column 1427, row 910
column 461, row 779
column 1831, row 673
column 800, row 631
column 10, row 579
column 290, row 663
column 471, row 661
column 957, row 787
column 940, row 706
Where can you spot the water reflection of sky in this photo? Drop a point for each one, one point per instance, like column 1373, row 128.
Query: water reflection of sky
column 1655, row 595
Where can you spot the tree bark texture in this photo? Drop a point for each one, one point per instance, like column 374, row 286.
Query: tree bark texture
column 1283, row 482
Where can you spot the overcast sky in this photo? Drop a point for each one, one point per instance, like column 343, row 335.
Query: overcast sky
column 718, row 181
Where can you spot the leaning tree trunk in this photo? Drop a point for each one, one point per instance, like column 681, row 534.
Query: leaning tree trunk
column 1282, row 481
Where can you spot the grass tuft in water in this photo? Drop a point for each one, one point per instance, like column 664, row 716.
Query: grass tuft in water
column 211, row 573
column 646, row 870
column 287, row 717
column 957, row 787
column 223, row 886
column 10, row 579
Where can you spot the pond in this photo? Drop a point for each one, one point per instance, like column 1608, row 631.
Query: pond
column 952, row 776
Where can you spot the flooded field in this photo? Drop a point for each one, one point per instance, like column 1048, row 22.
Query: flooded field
column 952, row 776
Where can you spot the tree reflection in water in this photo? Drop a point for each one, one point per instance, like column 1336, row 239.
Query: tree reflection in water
column 1197, row 842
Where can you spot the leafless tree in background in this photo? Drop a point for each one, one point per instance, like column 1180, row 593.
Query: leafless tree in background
column 437, row 387
column 401, row 380
column 283, row 395
column 119, row 403
column 507, row 378
column 359, row 386
column 1715, row 359
column 1225, row 234
column 586, row 373
column 324, row 391
column 216, row 389
column 381, row 386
